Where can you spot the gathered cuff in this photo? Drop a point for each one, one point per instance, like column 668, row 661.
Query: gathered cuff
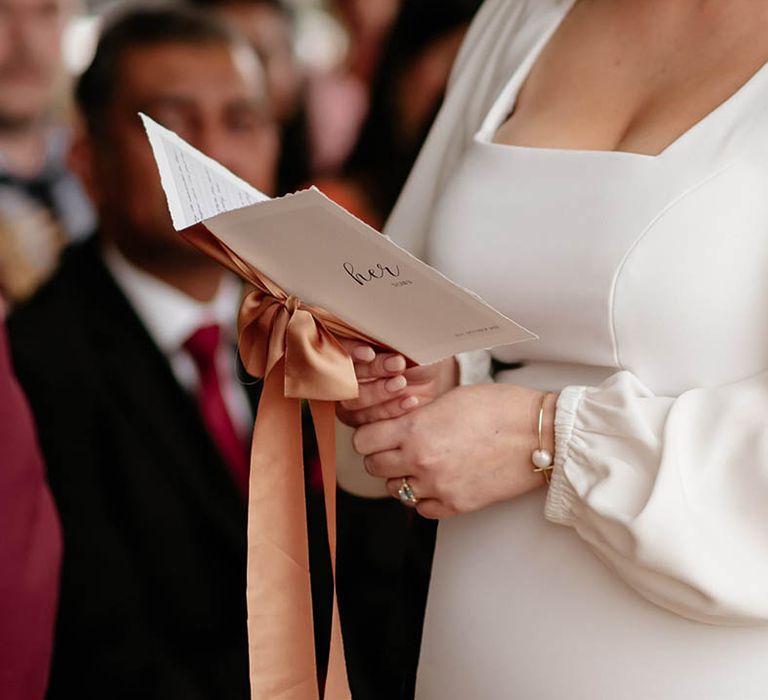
column 561, row 495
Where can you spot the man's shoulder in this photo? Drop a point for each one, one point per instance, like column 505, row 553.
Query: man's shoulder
column 67, row 290
column 54, row 322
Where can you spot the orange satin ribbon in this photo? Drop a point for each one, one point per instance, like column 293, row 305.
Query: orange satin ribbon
column 293, row 347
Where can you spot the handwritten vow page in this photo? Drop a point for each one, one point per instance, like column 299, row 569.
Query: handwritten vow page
column 316, row 250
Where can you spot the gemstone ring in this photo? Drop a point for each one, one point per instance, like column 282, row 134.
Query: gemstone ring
column 407, row 497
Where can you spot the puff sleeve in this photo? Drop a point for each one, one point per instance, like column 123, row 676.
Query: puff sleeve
column 672, row 493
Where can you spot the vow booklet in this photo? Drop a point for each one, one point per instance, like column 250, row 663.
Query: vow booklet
column 319, row 252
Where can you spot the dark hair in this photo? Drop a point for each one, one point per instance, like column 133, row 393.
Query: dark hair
column 140, row 26
column 381, row 160
column 215, row 4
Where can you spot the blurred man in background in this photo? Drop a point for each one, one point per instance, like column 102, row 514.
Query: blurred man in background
column 41, row 204
column 128, row 359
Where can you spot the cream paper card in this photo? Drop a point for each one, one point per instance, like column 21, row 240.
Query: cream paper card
column 316, row 250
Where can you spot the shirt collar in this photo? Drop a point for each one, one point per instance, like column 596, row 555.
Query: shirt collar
column 169, row 315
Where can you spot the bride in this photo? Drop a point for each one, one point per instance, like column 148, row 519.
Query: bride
column 599, row 173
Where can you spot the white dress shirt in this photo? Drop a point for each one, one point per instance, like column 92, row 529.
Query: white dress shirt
column 171, row 317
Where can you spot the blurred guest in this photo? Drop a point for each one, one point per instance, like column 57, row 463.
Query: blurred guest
column 267, row 25
column 30, row 547
column 407, row 92
column 127, row 355
column 339, row 98
column 41, row 204
column 368, row 24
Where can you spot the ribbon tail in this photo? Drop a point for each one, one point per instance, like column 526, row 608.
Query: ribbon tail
column 280, row 629
column 324, row 419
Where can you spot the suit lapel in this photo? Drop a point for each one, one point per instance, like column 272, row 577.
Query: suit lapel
column 141, row 380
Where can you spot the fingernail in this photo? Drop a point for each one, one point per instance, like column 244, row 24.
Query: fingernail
column 410, row 402
column 395, row 384
column 364, row 353
column 396, row 363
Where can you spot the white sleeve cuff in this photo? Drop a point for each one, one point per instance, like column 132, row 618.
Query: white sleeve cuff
column 474, row 367
column 561, row 494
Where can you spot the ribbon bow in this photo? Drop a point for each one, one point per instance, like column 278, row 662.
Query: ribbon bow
column 293, row 346
column 274, row 327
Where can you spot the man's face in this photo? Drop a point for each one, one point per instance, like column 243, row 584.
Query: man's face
column 30, row 58
column 213, row 97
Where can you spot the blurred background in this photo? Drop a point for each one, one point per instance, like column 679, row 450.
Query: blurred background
column 355, row 85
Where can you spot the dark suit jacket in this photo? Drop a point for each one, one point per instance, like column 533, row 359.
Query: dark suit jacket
column 153, row 582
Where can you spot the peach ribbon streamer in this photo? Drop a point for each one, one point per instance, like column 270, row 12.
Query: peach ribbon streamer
column 293, row 347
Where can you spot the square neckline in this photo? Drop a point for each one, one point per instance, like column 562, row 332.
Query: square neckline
column 506, row 100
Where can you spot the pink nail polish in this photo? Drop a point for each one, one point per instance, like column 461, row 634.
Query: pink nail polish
column 396, row 383
column 395, row 364
column 364, row 353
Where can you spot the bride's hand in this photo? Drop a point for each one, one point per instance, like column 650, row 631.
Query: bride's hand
column 388, row 388
column 462, row 452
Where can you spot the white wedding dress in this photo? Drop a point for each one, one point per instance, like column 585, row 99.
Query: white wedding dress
column 646, row 278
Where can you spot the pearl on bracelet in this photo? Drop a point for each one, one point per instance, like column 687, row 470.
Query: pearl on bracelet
column 542, row 459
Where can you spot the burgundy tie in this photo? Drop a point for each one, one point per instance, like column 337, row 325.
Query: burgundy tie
column 202, row 346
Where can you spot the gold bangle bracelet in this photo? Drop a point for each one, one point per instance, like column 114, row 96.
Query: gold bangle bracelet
column 542, row 458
